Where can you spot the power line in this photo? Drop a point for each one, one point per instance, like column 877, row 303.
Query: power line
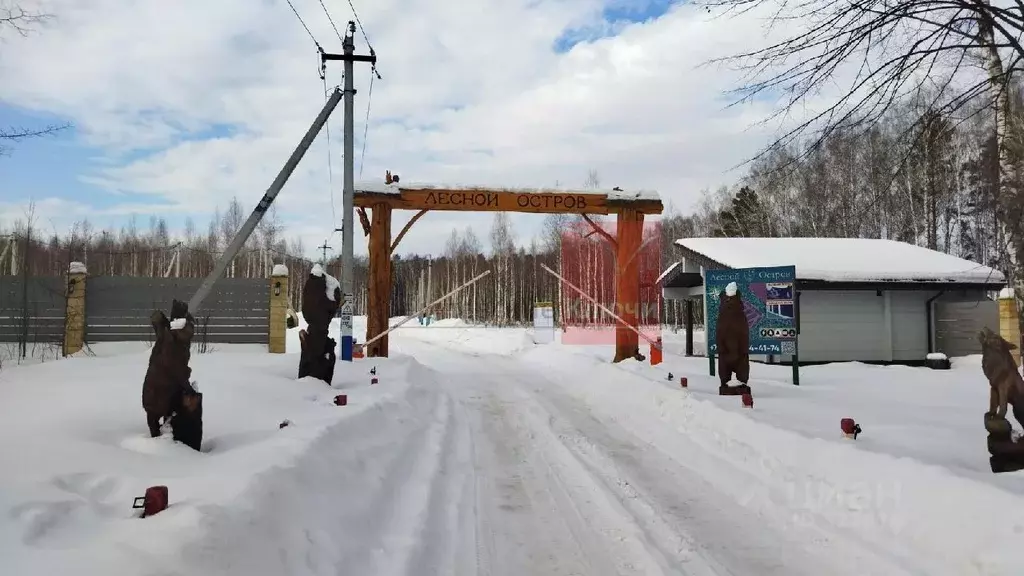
column 301, row 21
column 361, row 29
column 330, row 170
column 331, row 20
column 366, row 123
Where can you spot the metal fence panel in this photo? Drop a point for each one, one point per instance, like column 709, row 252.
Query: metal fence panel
column 44, row 315
column 118, row 308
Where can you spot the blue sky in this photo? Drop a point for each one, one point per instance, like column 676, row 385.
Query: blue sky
column 615, row 15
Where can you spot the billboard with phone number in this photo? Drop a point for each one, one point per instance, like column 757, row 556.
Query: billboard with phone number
column 769, row 302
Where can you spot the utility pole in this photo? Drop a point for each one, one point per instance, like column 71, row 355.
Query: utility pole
column 349, row 57
column 324, row 249
column 261, row 208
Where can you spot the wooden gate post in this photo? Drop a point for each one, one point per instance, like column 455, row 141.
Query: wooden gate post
column 629, row 229
column 379, row 305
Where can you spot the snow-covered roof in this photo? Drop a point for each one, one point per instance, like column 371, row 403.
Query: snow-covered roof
column 844, row 259
column 379, row 187
column 668, row 272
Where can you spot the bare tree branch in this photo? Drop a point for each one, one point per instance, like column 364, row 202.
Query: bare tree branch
column 17, row 134
column 23, row 22
column 901, row 48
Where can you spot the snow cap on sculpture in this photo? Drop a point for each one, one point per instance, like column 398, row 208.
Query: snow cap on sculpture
column 332, row 288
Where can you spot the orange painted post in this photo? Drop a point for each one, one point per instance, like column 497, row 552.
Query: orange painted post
column 656, row 353
column 629, row 229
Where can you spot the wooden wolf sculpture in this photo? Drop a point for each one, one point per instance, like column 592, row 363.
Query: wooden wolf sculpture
column 1007, row 387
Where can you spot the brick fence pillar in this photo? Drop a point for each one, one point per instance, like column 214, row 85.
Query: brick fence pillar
column 279, row 310
column 1009, row 327
column 74, row 312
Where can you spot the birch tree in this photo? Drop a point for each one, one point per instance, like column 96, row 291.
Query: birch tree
column 882, row 52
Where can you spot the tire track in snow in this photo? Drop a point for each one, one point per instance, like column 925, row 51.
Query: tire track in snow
column 736, row 488
column 669, row 550
column 685, row 523
column 413, row 499
column 445, row 545
column 540, row 511
column 681, row 516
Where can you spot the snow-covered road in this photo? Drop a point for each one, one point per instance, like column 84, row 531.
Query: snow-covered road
column 541, row 483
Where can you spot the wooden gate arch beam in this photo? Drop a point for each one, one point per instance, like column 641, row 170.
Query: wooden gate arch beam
column 382, row 198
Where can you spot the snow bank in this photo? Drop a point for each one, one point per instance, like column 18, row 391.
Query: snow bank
column 454, row 333
column 932, row 416
column 458, row 334
column 844, row 259
column 76, row 453
column 896, row 504
column 293, row 345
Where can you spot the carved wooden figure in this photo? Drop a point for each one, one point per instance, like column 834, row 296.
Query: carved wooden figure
column 1006, row 387
column 166, row 389
column 318, row 357
column 732, row 338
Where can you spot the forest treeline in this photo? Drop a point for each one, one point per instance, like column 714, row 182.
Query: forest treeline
column 917, row 176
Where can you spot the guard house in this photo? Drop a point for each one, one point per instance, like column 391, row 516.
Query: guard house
column 858, row 299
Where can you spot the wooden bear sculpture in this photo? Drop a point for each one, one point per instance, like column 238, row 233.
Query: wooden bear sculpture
column 321, row 297
column 166, row 389
column 732, row 339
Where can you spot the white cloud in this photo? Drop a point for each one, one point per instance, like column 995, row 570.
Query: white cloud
column 471, row 92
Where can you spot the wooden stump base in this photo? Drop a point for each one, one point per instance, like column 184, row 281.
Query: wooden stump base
column 1006, row 455
column 726, row 390
column 318, row 356
column 187, row 422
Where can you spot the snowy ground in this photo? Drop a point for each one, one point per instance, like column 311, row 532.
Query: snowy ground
column 482, row 453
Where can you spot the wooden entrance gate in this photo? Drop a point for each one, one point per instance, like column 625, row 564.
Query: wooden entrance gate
column 382, row 198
